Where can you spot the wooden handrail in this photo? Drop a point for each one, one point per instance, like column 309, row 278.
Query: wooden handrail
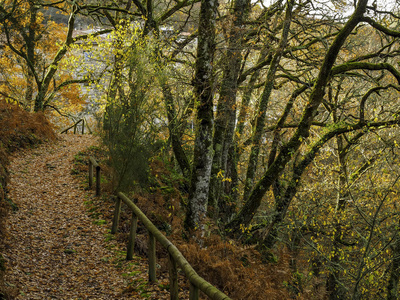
column 197, row 282
column 75, row 126
column 176, row 259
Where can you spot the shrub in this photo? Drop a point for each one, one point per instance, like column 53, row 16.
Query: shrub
column 131, row 121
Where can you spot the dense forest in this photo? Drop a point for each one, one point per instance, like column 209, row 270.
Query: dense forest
column 279, row 118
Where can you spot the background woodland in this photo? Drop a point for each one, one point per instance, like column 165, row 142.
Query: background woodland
column 269, row 127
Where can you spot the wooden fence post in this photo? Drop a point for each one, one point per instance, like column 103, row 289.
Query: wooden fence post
column 88, row 128
column 173, row 279
column 132, row 237
column 90, row 174
column 193, row 292
column 117, row 211
column 197, row 283
column 83, row 126
column 93, row 163
column 98, row 180
column 152, row 258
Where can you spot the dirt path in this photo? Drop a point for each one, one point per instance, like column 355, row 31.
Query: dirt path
column 55, row 250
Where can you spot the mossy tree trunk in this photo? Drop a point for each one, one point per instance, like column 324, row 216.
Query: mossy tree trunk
column 243, row 116
column 246, row 214
column 175, row 132
column 334, row 287
column 30, row 57
column 393, row 283
column 226, row 108
column 203, row 90
column 262, row 108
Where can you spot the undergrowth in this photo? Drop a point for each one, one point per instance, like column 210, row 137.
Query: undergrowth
column 18, row 129
column 235, row 269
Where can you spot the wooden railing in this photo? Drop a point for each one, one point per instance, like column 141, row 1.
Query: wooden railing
column 93, row 163
column 75, row 127
column 176, row 259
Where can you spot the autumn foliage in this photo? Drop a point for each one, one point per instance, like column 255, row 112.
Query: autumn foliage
column 20, row 129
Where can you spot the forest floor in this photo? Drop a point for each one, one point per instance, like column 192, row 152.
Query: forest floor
column 54, row 248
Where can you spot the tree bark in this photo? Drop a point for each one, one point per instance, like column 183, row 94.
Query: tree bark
column 393, row 284
column 226, row 109
column 302, row 132
column 262, row 109
column 203, row 90
column 232, row 189
column 30, row 55
column 333, row 285
column 174, row 134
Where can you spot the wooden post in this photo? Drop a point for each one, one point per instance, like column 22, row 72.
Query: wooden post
column 87, row 125
column 193, row 292
column 83, row 126
column 132, row 237
column 73, row 126
column 117, row 211
column 173, row 279
column 152, row 258
column 98, row 180
column 90, row 174
column 197, row 283
column 93, row 163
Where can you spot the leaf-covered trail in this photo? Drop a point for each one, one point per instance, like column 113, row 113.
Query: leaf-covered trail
column 55, row 251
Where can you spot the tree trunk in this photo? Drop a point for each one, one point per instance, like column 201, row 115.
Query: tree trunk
column 262, row 109
column 333, row 286
column 226, row 109
column 175, row 136
column 232, row 188
column 247, row 212
column 393, row 285
column 30, row 57
column 43, row 86
column 203, row 150
column 29, row 91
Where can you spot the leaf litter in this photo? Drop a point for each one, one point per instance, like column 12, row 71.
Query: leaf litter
column 53, row 249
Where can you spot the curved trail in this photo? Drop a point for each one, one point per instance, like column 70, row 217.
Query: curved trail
column 55, row 251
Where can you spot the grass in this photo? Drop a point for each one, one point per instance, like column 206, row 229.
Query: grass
column 109, row 237
column 99, row 222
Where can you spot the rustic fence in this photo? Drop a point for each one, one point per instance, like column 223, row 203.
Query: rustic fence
column 93, row 164
column 75, row 127
column 176, row 259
